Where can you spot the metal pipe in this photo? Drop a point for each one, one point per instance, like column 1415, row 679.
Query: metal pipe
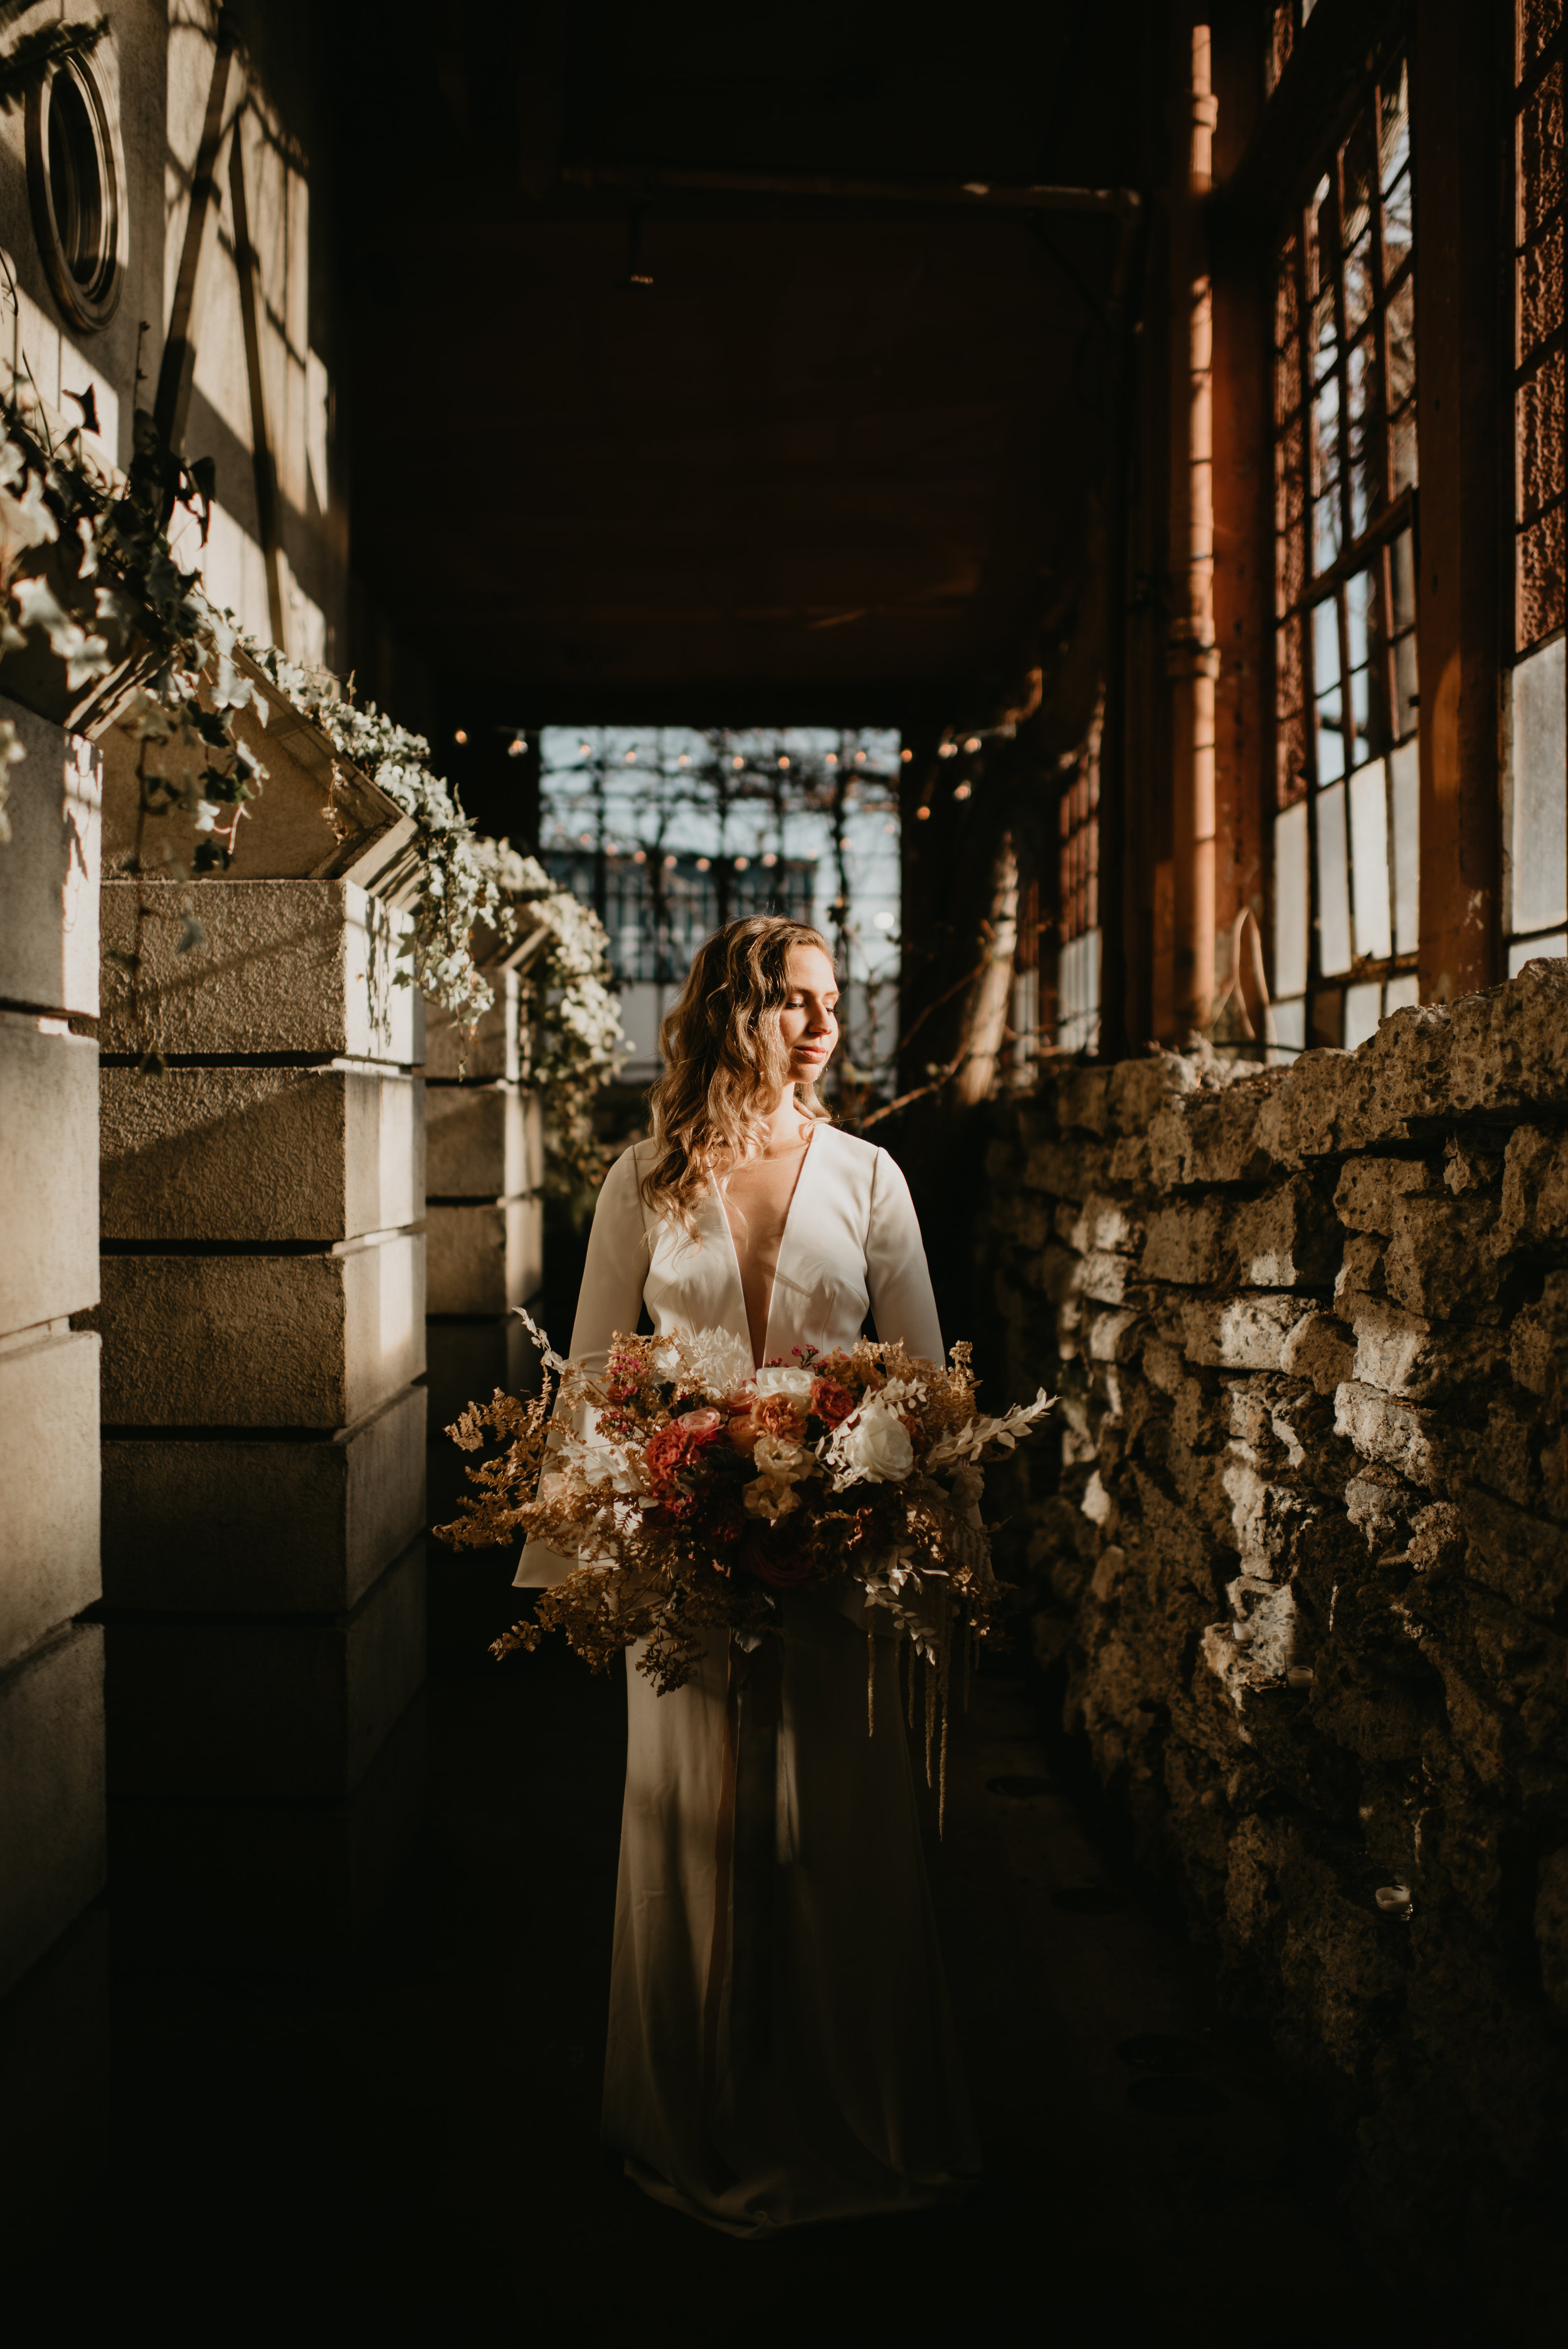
column 1192, row 656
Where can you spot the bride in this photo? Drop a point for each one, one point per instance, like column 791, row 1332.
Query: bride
column 780, row 2046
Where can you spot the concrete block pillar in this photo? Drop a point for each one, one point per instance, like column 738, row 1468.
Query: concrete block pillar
column 485, row 1141
column 52, row 1977
column 262, row 1319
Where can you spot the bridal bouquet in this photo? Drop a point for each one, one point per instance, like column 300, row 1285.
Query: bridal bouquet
column 695, row 1489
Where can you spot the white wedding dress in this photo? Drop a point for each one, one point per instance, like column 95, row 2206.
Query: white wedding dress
column 794, row 2059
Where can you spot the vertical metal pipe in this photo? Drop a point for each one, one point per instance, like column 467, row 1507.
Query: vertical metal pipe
column 1192, row 658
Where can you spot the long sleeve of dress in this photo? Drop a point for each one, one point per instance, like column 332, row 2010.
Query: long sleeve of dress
column 610, row 1300
column 898, row 1281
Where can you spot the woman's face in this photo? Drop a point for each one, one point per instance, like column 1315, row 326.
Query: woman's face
column 808, row 1023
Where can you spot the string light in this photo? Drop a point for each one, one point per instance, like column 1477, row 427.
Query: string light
column 460, row 736
column 683, row 760
column 741, row 863
column 947, row 749
column 703, row 863
column 905, row 756
column 630, row 757
column 833, row 757
column 770, row 859
column 639, row 855
column 962, row 793
column 859, row 758
column 783, row 762
column 584, row 750
column 923, row 814
column 973, row 743
column 585, row 840
column 517, row 746
column 670, row 863
column 737, row 763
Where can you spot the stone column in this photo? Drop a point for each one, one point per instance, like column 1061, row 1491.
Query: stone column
column 264, row 1327
column 486, row 1218
column 53, row 2001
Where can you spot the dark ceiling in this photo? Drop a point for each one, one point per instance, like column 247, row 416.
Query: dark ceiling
column 839, row 458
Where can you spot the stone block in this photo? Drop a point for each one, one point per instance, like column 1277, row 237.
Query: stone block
column 478, row 1141
column 1138, row 1089
column 231, row 1341
column 267, row 1527
column 490, row 1050
column 1401, row 1353
column 1100, row 1222
column 468, row 1361
column 1215, row 1137
column 1522, row 1557
column 1371, row 1189
column 55, row 2063
column 1440, row 1262
column 1399, row 1435
column 1065, row 1169
column 1321, row 1349
column 257, row 1153
column 1538, row 1345
column 485, row 1255
column 1186, row 1243
column 1534, row 1190
column 1286, row 1239
column 49, row 1476
column 1083, row 1099
column 1104, row 1277
column 307, row 966
column 267, row 1883
column 48, row 1174
column 50, row 870
column 51, row 1793
column 1241, row 1332
column 259, row 1711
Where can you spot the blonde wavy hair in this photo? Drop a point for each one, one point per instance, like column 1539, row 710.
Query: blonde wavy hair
column 723, row 1055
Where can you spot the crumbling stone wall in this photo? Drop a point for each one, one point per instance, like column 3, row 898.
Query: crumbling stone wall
column 1306, row 1561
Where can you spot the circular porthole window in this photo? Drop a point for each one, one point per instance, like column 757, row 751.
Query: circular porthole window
column 76, row 176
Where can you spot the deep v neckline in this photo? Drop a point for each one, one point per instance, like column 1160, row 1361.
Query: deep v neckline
column 783, row 1244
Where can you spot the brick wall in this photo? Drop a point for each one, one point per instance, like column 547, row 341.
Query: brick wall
column 1302, row 1571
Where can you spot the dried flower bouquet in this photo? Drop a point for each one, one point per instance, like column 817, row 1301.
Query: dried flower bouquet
column 694, row 1489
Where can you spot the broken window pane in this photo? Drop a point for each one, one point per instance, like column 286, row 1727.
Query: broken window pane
column 1333, row 885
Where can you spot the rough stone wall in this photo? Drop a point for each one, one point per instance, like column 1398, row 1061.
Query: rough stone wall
column 1305, row 1564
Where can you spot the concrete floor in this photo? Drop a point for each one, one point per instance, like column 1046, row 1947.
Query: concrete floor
column 410, row 2153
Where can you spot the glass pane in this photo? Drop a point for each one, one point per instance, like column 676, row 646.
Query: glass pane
column 1333, row 885
column 1402, row 572
column 1366, row 435
column 1358, row 288
column 1538, row 793
column 1287, row 334
column 1319, row 227
column 1290, row 1030
column 1290, row 939
column 1326, row 435
column 1394, row 128
column 1405, row 792
column 1290, row 696
column 1407, row 702
column 1360, row 171
column 1398, row 227
column 1369, row 860
column 1326, row 682
column 1525, row 950
column 1363, row 1009
column 1401, row 992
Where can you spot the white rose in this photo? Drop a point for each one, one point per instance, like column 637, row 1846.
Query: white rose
column 765, row 1497
column 783, row 1378
column 603, row 1464
column 876, row 1444
column 776, row 1456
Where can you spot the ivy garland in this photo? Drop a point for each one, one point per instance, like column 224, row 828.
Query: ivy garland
column 136, row 634
column 571, row 1021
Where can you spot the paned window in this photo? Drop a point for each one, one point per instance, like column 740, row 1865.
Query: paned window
column 1345, row 856
column 1078, row 958
column 1536, row 822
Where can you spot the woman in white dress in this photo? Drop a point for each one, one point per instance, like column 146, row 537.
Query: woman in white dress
column 780, row 2047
